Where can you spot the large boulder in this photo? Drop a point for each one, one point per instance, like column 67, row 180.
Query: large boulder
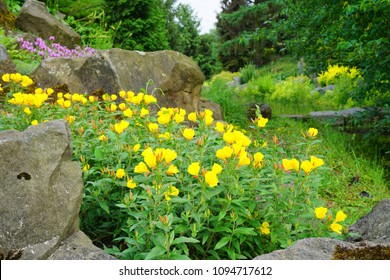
column 41, row 190
column 35, row 18
column 371, row 241
column 176, row 79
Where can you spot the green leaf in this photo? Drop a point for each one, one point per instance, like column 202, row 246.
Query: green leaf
column 176, row 256
column 155, row 253
column 244, row 231
column 183, row 239
column 98, row 153
column 221, row 215
column 104, row 206
column 224, row 240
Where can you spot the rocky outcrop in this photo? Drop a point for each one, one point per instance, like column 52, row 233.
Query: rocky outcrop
column 372, row 236
column 41, row 190
column 35, row 18
column 172, row 77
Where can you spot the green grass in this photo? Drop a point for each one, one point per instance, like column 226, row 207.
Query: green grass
column 338, row 188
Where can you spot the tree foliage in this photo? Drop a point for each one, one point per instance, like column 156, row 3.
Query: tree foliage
column 354, row 33
column 247, row 32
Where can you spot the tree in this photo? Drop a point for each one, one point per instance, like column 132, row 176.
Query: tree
column 140, row 24
column 247, row 32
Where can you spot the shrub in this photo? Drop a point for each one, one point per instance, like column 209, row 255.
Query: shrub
column 293, row 90
column 259, row 88
column 248, row 73
column 156, row 189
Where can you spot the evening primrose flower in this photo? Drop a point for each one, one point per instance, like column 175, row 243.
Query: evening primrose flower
column 211, row 178
column 224, row 153
column 149, row 99
column 153, row 127
column 144, row 112
column 166, row 135
column 194, row 168
column 262, row 122
column 103, row 138
column 265, row 228
column 70, row 119
column 289, row 164
column 86, row 167
column 141, row 168
column 131, row 184
column 27, row 111
column 172, row 169
column 192, row 117
column 258, row 157
column 120, row 127
column 336, row 227
column 216, row 168
column 188, row 133
column 34, row 122
column 164, row 118
column 168, row 155
column 220, row 127
column 120, row 173
column 128, row 113
column 308, row 166
column 320, row 212
column 171, row 191
column 340, row 216
column 6, row 78
column 312, row 132
column 136, row 147
column 67, row 103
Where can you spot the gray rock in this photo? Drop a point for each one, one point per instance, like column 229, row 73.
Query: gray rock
column 79, row 247
column 35, row 18
column 307, row 249
column 176, row 75
column 323, row 90
column 214, row 107
column 40, row 187
column 375, row 226
column 6, row 63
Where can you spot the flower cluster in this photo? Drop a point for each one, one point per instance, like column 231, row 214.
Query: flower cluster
column 335, row 71
column 306, row 165
column 55, row 49
column 321, row 213
column 17, row 78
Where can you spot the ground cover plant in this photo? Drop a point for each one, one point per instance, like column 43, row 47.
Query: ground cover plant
column 176, row 185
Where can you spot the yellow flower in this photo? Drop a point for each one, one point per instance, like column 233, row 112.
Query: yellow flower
column 320, row 212
column 211, row 178
column 289, row 164
column 228, row 137
column 265, row 228
column 67, row 103
column 336, row 227
column 114, row 97
column 141, row 168
column 113, row 107
column 49, row 91
column 144, row 112
column 122, row 94
column 91, row 98
column 188, row 133
column 316, row 162
column 153, row 127
column 27, row 111
column 137, row 98
column 122, row 106
column 70, row 119
column 192, row 117
column 216, row 168
column 34, row 122
column 340, row 216
column 194, row 168
column 243, row 158
column 172, row 169
column 220, row 127
column 131, row 184
column 224, row 153
column 312, row 132
column 149, row 99
column 16, row 77
column 68, row 96
column 120, row 173
column 6, row 78
column 166, row 135
column 208, row 120
column 26, row 81
column 128, row 113
column 169, row 155
column 164, row 118
column 262, row 122
column 149, row 157
column 103, row 138
column 136, row 147
column 86, row 167
column 120, row 127
column 178, row 118
column 171, row 191
column 258, row 157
